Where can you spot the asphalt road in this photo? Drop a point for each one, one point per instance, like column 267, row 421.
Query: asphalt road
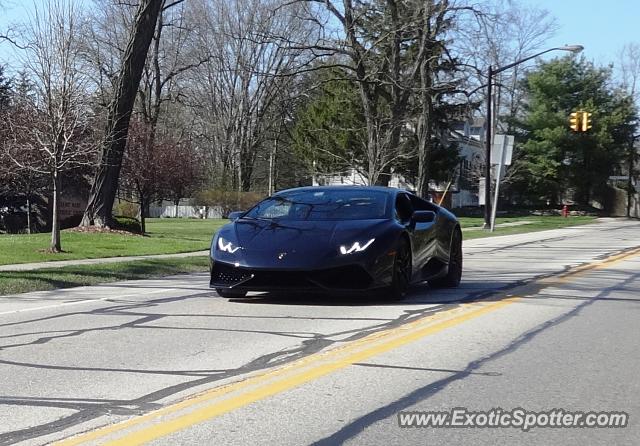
column 542, row 321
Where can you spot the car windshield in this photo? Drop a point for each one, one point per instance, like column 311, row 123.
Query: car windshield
column 323, row 205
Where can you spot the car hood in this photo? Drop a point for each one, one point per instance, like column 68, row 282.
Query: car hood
column 297, row 244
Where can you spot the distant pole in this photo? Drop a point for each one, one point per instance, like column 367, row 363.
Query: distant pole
column 632, row 156
column 270, row 186
column 487, row 142
column 630, row 179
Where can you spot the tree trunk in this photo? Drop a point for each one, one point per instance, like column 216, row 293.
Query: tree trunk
column 630, row 189
column 369, row 111
column 141, row 214
column 105, row 183
column 55, row 224
column 177, row 203
column 28, row 213
column 425, row 131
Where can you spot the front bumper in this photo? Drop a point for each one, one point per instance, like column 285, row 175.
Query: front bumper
column 342, row 279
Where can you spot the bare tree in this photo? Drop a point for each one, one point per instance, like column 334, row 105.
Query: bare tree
column 49, row 133
column 629, row 69
column 170, row 58
column 396, row 52
column 105, row 183
column 164, row 168
column 141, row 168
column 249, row 60
column 10, row 34
column 105, row 37
column 507, row 31
column 180, row 168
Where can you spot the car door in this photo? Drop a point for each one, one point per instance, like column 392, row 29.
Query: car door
column 424, row 233
column 403, row 215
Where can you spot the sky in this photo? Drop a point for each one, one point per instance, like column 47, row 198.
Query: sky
column 601, row 26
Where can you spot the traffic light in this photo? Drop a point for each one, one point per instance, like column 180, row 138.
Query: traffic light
column 575, row 119
column 586, row 121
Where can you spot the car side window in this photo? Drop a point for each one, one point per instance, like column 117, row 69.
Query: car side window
column 277, row 209
column 404, row 209
column 421, row 205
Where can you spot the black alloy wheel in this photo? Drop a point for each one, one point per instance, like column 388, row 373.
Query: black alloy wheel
column 401, row 270
column 454, row 270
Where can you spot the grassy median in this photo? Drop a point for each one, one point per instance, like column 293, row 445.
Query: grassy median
column 14, row 282
column 164, row 236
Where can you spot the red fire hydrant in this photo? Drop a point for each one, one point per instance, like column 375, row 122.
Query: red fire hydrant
column 565, row 211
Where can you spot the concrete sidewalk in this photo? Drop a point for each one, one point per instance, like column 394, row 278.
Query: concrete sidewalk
column 62, row 263
column 503, row 225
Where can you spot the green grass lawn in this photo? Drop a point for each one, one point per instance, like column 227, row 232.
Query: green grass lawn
column 164, row 236
column 14, row 282
column 537, row 223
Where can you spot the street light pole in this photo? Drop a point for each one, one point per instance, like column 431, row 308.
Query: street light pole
column 488, row 137
column 488, row 132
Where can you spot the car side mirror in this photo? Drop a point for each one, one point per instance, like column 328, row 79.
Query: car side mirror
column 235, row 215
column 423, row 216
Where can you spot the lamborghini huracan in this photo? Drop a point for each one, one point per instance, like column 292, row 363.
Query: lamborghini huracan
column 338, row 240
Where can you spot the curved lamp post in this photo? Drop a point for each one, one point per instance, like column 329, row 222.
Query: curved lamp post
column 488, row 132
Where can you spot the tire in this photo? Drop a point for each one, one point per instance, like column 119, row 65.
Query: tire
column 454, row 269
column 401, row 275
column 229, row 294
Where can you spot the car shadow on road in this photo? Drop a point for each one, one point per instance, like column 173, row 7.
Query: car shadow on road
column 421, row 294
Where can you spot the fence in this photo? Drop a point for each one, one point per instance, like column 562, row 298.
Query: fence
column 185, row 211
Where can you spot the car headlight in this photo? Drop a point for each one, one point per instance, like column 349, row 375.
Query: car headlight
column 356, row 247
column 226, row 246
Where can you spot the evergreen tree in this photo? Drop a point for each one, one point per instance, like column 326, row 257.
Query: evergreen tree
column 556, row 163
column 329, row 131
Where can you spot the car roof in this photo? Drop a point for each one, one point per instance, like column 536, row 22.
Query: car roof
column 389, row 190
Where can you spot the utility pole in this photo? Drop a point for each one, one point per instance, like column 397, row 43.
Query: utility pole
column 632, row 158
column 488, row 141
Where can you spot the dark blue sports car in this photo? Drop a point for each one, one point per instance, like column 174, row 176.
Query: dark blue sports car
column 338, row 240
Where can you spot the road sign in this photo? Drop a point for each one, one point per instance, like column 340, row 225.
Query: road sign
column 502, row 158
column 499, row 144
column 481, row 186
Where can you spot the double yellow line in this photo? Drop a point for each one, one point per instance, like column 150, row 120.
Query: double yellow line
column 583, row 269
column 224, row 399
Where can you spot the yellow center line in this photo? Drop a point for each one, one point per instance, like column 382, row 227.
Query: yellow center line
column 582, row 269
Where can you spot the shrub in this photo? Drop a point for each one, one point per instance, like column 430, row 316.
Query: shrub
column 228, row 201
column 129, row 224
column 125, row 209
